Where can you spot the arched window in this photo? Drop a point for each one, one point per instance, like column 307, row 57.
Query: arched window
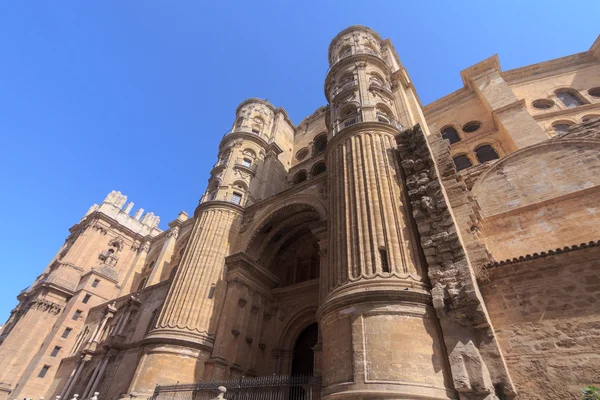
column 111, row 251
column 587, row 118
column 151, row 265
column 301, row 154
column 318, row 169
column 246, row 162
column 383, row 118
column 594, row 92
column 569, row 98
column 462, row 162
column 486, row 153
column 450, row 134
column 320, row 144
column 300, row 177
column 561, row 127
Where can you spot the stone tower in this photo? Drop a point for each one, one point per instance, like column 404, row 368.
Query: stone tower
column 377, row 291
column 184, row 335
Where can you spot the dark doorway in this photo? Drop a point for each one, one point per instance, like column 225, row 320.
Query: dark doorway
column 303, row 360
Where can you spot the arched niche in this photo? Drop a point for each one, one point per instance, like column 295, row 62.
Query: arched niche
column 286, row 245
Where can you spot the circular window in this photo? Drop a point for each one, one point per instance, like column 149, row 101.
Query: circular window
column 562, row 126
column 301, row 154
column 471, row 126
column 595, row 92
column 543, row 104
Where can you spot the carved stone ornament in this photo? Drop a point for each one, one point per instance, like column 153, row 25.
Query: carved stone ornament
column 45, row 305
column 324, row 191
column 174, row 233
column 101, row 228
column 246, row 221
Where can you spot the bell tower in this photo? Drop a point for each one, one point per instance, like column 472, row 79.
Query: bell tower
column 380, row 331
column 183, row 337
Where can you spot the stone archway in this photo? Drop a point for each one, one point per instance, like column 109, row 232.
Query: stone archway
column 285, row 243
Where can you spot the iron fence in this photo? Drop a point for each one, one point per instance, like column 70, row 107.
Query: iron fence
column 277, row 387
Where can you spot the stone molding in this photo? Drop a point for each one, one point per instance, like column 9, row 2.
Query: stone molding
column 360, row 28
column 542, row 254
column 45, row 305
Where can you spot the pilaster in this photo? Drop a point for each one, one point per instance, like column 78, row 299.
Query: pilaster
column 510, row 114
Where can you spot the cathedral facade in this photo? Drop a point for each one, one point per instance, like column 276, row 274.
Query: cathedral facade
column 394, row 250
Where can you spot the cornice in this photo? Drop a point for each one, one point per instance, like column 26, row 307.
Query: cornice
column 312, row 117
column 115, row 224
column 244, row 136
column 450, row 100
column 534, row 71
column 567, row 111
column 369, row 126
column 219, row 204
column 489, row 65
column 549, row 253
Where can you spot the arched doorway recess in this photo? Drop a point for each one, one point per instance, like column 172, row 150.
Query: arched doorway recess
column 303, row 357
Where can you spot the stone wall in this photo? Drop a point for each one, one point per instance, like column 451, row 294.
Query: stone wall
column 476, row 362
column 547, row 319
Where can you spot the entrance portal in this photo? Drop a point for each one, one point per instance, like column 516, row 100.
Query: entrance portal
column 303, row 361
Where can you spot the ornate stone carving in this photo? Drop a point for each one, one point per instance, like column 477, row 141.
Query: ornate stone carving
column 323, row 191
column 101, row 228
column 246, row 221
column 45, row 305
column 174, row 233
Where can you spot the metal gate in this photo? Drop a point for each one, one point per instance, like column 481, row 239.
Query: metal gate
column 276, row 387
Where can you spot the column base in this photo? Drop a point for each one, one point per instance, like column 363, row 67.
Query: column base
column 383, row 342
column 388, row 391
column 167, row 364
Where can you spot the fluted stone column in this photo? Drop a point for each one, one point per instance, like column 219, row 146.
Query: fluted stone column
column 380, row 333
column 381, row 337
column 184, row 334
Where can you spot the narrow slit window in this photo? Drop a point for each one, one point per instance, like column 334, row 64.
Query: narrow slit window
column 66, row 333
column 55, row 351
column 43, row 371
column 385, row 266
column 211, row 292
column 76, row 315
column 95, row 283
column 86, row 298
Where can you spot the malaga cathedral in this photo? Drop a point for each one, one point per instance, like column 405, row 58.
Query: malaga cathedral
column 379, row 249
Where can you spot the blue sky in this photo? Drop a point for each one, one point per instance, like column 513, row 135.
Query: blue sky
column 135, row 95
